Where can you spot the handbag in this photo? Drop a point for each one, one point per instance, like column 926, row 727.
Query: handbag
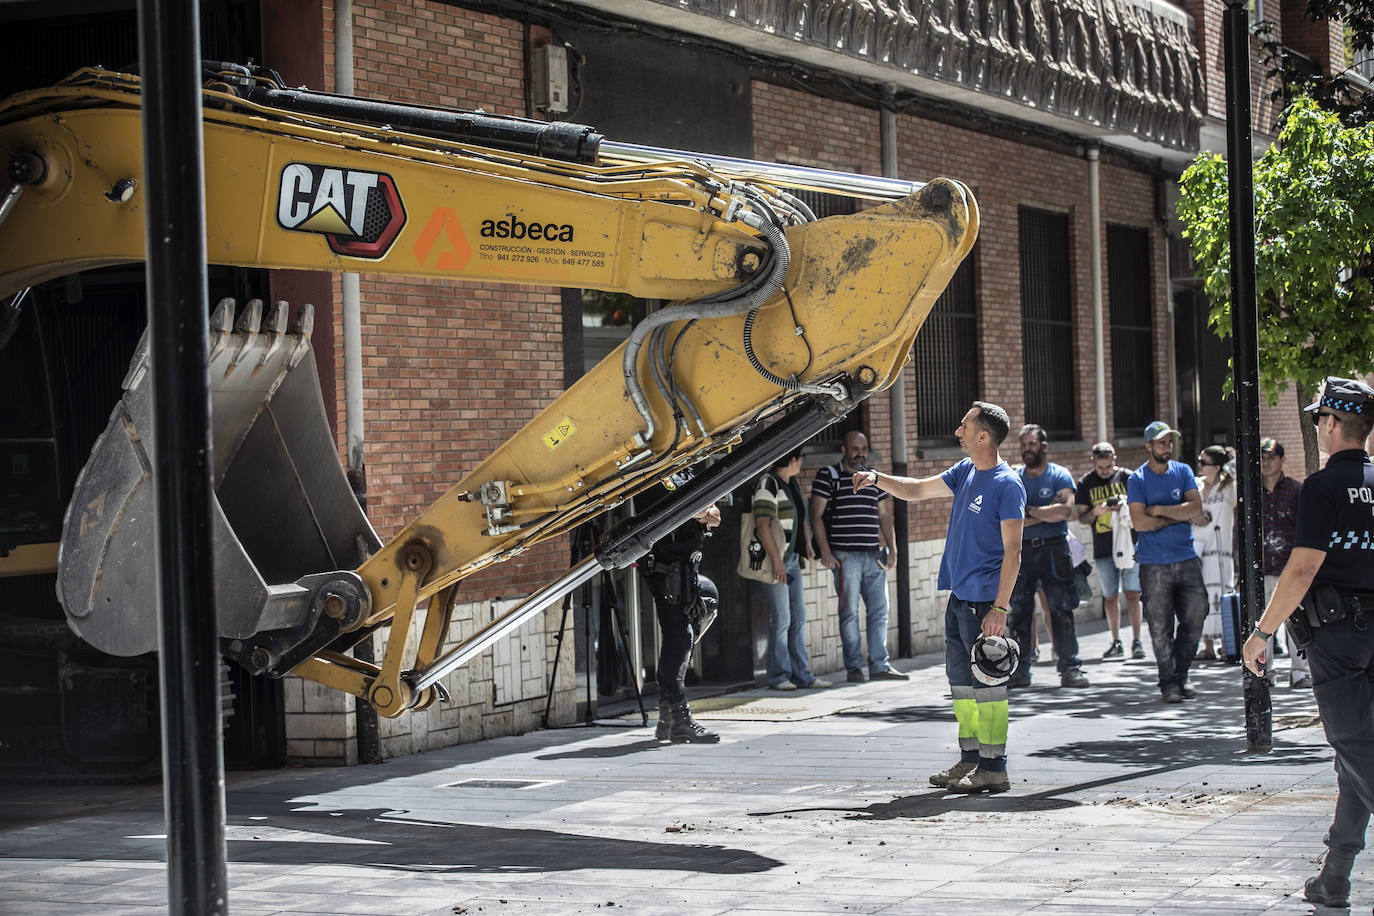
column 754, row 562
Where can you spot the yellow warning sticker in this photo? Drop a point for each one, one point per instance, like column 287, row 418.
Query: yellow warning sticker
column 561, row 432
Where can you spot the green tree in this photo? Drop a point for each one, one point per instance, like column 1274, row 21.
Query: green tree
column 1314, row 226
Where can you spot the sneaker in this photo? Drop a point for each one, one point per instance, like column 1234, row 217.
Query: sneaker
column 1187, row 691
column 890, row 674
column 855, row 676
column 1073, row 678
column 784, row 685
column 980, row 780
column 953, row 774
column 819, row 683
column 1017, row 681
column 1114, row 650
column 1172, row 695
column 1137, row 650
column 1301, row 682
column 1035, row 654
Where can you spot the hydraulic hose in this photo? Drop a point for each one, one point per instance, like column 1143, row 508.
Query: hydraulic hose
column 756, row 295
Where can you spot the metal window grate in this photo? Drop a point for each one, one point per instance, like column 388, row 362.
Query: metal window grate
column 1047, row 322
column 1132, row 327
column 945, row 360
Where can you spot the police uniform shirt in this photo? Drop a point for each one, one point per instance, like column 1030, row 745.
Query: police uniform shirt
column 1336, row 516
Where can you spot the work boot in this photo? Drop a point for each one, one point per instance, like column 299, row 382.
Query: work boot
column 1073, row 678
column 685, row 728
column 956, row 772
column 1331, row 886
column 665, row 722
column 980, row 780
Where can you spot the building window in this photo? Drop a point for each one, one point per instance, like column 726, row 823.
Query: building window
column 1047, row 322
column 1132, row 328
column 945, row 361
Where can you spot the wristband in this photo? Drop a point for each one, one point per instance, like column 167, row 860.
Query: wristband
column 1261, row 634
column 997, row 610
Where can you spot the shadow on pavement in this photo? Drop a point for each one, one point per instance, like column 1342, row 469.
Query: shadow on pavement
column 605, row 752
column 393, row 839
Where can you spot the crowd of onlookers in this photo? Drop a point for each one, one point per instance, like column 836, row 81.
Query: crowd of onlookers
column 850, row 533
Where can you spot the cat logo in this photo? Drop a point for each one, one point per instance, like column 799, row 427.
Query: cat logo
column 359, row 213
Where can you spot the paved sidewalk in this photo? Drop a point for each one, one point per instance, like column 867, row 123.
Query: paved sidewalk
column 815, row 802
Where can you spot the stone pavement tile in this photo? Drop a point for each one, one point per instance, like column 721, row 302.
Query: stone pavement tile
column 338, row 904
column 50, row 908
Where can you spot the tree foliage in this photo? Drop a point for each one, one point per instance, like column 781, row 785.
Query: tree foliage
column 1314, row 225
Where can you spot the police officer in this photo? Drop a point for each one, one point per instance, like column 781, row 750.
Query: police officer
column 684, row 602
column 1329, row 582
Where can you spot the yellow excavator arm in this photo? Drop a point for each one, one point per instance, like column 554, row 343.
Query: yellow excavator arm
column 778, row 317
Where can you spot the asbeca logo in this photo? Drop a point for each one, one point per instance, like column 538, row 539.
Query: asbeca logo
column 359, row 213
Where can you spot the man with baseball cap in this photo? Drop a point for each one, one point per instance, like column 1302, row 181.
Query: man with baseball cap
column 1163, row 498
column 1329, row 582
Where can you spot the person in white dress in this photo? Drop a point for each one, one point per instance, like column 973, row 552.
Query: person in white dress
column 1214, row 539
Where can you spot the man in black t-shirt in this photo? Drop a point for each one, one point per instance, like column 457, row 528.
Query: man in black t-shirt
column 1329, row 582
column 1101, row 501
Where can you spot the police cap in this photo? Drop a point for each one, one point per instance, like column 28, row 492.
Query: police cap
column 1347, row 394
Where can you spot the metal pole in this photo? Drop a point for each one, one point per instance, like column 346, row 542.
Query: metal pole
column 369, row 738
column 174, row 189
column 887, row 131
column 1245, row 360
column 1104, row 433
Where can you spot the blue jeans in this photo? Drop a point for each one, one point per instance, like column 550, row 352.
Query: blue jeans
column 787, row 656
column 860, row 575
column 1173, row 593
column 1050, row 567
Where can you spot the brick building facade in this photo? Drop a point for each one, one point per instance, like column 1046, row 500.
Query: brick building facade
column 452, row 369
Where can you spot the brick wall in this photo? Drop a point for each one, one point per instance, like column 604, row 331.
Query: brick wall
column 1004, row 175
column 1208, row 19
column 1323, row 41
column 450, row 372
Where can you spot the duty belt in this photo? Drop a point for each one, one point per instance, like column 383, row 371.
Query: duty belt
column 1042, row 542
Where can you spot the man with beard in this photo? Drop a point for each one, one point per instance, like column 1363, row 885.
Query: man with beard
column 1045, row 560
column 1163, row 498
column 851, row 525
column 978, row 569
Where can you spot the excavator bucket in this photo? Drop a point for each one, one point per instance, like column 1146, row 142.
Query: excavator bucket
column 283, row 511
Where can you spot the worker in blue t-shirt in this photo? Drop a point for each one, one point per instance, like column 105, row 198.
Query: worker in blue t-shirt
column 1045, row 561
column 1163, row 498
column 981, row 559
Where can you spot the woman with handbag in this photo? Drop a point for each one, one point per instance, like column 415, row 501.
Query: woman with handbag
column 779, row 511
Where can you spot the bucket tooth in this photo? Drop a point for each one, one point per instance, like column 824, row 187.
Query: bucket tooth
column 285, row 521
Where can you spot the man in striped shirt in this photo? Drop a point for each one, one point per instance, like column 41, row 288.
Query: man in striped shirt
column 850, row 535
